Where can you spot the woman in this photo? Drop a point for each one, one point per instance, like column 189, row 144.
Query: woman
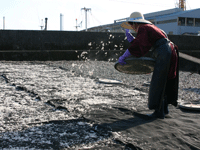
column 164, row 84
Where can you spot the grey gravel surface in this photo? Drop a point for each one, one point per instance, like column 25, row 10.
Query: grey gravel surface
column 62, row 105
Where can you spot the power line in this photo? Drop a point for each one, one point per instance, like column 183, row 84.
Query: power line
column 96, row 19
column 188, row 4
column 140, row 3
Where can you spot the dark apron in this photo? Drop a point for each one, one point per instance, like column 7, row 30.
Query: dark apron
column 161, row 87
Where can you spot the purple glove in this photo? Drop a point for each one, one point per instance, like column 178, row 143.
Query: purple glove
column 122, row 58
column 129, row 36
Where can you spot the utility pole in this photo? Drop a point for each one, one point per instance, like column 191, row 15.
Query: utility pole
column 86, row 9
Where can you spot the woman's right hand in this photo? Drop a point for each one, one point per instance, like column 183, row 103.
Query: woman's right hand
column 129, row 36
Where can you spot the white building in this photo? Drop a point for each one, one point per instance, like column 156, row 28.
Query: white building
column 173, row 21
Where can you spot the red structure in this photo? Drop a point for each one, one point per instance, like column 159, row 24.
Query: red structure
column 182, row 4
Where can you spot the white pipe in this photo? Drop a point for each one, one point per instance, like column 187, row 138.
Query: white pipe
column 61, row 22
column 4, row 22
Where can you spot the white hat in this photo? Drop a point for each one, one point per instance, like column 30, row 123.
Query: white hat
column 135, row 17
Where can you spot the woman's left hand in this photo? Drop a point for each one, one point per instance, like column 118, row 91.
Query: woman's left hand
column 122, row 58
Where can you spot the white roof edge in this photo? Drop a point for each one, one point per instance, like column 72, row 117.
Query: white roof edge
column 163, row 12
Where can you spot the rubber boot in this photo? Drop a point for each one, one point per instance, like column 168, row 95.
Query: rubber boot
column 158, row 113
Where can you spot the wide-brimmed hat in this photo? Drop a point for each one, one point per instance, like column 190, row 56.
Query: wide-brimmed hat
column 135, row 17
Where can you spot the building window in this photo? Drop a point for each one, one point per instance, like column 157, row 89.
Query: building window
column 190, row 21
column 181, row 21
column 167, row 21
column 197, row 22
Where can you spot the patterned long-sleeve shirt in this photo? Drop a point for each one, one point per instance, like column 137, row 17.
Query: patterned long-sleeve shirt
column 146, row 37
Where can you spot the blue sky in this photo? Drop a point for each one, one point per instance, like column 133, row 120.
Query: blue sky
column 28, row 14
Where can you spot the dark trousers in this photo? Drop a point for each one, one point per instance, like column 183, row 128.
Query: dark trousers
column 162, row 55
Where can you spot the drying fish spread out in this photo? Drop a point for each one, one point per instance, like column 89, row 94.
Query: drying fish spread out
column 62, row 104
